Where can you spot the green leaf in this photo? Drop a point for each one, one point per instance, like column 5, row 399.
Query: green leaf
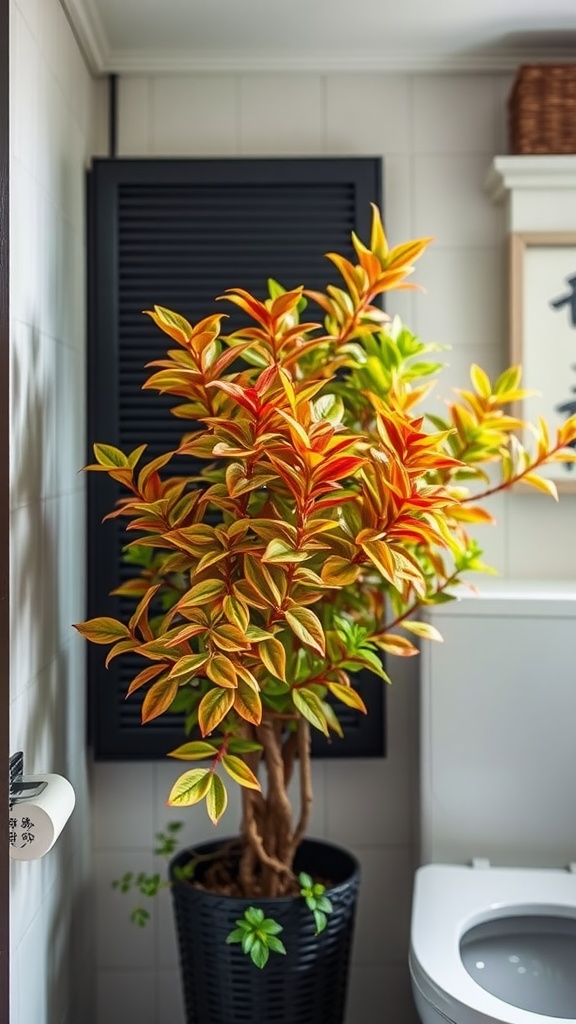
column 259, row 954
column 276, row 945
column 140, row 917
column 320, row 920
column 324, row 904
column 196, row 751
column 254, row 915
column 239, row 746
column 310, row 707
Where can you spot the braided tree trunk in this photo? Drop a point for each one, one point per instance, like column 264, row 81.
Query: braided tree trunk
column 268, row 828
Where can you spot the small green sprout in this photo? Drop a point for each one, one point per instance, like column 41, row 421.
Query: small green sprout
column 316, row 901
column 150, row 885
column 258, row 935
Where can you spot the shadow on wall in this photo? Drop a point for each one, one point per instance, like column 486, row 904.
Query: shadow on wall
column 51, row 917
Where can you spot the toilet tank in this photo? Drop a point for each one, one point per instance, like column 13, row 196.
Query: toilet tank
column 498, row 727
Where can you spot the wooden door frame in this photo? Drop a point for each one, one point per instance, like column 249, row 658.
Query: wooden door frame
column 4, row 502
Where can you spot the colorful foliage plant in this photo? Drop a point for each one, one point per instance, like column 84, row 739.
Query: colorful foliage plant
column 327, row 513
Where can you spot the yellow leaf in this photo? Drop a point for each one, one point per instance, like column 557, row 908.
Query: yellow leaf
column 378, row 243
column 471, row 514
column 423, row 629
column 171, row 323
column 541, row 484
column 236, row 612
column 339, row 572
column 190, row 788
column 216, row 799
column 202, row 593
column 239, row 771
column 398, row 645
column 348, row 696
column 108, row 456
column 480, row 381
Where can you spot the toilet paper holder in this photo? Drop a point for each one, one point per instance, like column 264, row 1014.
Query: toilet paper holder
column 40, row 806
column 20, row 788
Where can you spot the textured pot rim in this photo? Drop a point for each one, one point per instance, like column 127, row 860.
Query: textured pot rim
column 354, row 875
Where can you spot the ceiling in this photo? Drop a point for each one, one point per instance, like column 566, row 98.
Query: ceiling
column 143, row 36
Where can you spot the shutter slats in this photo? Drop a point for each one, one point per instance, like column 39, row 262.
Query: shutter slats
column 178, row 234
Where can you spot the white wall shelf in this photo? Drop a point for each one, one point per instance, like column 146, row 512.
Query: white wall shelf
column 539, row 191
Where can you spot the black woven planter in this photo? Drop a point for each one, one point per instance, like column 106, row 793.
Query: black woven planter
column 307, row 986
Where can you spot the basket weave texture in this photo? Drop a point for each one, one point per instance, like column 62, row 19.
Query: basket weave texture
column 542, row 109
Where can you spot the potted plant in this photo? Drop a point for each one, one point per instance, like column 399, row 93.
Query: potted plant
column 326, row 514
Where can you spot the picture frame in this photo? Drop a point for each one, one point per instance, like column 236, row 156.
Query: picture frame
column 543, row 332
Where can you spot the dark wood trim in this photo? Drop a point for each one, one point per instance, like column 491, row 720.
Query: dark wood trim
column 4, row 505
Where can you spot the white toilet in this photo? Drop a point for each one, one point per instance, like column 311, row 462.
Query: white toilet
column 493, row 934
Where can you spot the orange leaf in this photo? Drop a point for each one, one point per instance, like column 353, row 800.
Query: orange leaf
column 213, row 707
column 103, row 630
column 144, row 677
column 159, row 698
column 247, row 702
column 222, row 672
column 273, row 656
column 307, row 627
column 120, row 648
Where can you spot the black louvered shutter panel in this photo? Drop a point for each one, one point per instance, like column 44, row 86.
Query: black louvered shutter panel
column 177, row 233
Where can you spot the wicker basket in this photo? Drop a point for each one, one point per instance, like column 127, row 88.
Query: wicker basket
column 542, row 109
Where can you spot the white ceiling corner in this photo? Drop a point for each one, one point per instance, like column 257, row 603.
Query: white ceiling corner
column 181, row 36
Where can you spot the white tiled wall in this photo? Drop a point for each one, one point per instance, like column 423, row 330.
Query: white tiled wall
column 438, row 135
column 55, row 106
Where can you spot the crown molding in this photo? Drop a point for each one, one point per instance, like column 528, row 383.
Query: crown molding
column 103, row 59
column 130, row 62
column 90, row 33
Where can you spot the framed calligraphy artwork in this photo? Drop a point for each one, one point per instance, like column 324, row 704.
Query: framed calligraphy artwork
column 543, row 332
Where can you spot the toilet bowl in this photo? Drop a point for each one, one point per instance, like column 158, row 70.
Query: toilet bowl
column 494, row 945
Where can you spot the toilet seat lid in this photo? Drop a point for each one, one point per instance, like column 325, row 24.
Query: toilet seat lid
column 448, row 901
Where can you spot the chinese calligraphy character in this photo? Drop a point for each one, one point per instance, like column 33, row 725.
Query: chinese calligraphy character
column 26, row 824
column 27, row 837
column 12, row 822
column 12, row 837
column 568, row 300
column 569, row 409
